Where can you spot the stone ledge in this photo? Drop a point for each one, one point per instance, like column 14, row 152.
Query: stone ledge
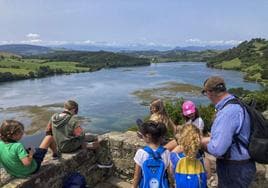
column 116, row 146
column 123, row 147
column 52, row 172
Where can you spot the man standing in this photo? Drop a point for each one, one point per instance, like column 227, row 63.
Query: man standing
column 230, row 128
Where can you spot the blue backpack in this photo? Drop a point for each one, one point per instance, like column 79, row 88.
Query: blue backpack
column 188, row 173
column 74, row 180
column 154, row 173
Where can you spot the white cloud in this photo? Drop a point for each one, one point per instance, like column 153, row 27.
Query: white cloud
column 217, row 42
column 88, row 42
column 31, row 41
column 212, row 42
column 33, row 35
column 5, row 42
column 233, row 42
column 194, row 40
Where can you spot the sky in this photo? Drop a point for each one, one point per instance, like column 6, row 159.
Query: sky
column 123, row 22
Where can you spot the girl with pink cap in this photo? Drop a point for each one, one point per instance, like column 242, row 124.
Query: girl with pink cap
column 191, row 115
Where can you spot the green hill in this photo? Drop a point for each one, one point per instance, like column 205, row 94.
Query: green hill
column 174, row 55
column 250, row 57
column 95, row 60
column 25, row 49
column 14, row 67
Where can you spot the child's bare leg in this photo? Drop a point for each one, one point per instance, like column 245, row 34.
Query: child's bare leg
column 53, row 146
column 46, row 142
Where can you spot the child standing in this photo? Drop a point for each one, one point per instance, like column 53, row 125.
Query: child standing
column 16, row 160
column 191, row 115
column 152, row 161
column 159, row 114
column 187, row 164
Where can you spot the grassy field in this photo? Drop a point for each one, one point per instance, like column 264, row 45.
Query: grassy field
column 232, row 64
column 24, row 66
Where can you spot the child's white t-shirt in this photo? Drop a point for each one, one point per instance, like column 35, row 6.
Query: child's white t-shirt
column 142, row 156
column 198, row 122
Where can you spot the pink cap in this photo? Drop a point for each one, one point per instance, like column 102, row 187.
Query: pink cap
column 188, row 107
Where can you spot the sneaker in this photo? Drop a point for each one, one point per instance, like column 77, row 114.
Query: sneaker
column 56, row 156
column 92, row 145
column 139, row 122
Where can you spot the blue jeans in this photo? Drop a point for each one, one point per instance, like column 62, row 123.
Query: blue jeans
column 235, row 175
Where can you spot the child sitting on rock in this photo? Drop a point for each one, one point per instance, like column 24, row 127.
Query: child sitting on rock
column 16, row 160
column 67, row 132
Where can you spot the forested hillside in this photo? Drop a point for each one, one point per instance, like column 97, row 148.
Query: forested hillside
column 15, row 67
column 174, row 55
column 97, row 60
column 250, row 57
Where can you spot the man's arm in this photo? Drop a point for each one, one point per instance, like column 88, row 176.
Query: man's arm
column 224, row 127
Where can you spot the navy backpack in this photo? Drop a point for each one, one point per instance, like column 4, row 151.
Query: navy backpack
column 74, row 180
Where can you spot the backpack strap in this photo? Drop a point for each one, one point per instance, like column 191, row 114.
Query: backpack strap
column 236, row 137
column 155, row 154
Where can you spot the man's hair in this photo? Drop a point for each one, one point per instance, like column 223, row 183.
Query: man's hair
column 156, row 130
column 70, row 105
column 9, row 128
column 215, row 83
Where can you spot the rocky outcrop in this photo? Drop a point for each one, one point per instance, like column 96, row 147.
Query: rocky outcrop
column 52, row 172
column 117, row 147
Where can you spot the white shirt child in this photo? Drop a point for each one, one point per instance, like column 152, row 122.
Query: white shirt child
column 142, row 156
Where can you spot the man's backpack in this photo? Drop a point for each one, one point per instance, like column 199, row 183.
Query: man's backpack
column 258, row 141
column 154, row 173
column 74, row 180
column 188, row 172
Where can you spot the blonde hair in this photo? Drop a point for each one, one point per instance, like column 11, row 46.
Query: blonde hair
column 189, row 138
column 158, row 105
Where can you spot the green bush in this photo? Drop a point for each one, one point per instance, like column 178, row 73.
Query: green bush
column 207, row 112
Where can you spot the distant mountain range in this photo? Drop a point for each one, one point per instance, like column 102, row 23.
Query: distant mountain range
column 26, row 49
column 203, row 48
column 139, row 47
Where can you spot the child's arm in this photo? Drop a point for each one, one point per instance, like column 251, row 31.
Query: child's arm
column 26, row 161
column 77, row 129
column 171, row 145
column 137, row 176
column 178, row 149
column 170, row 175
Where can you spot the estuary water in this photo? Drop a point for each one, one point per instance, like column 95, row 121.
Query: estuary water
column 105, row 96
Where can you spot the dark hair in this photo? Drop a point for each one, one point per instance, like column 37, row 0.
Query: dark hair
column 9, row 128
column 70, row 105
column 196, row 115
column 156, row 130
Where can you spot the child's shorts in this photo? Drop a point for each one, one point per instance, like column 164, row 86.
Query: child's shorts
column 39, row 156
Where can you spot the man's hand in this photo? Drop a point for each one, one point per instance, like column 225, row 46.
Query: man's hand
column 204, row 143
